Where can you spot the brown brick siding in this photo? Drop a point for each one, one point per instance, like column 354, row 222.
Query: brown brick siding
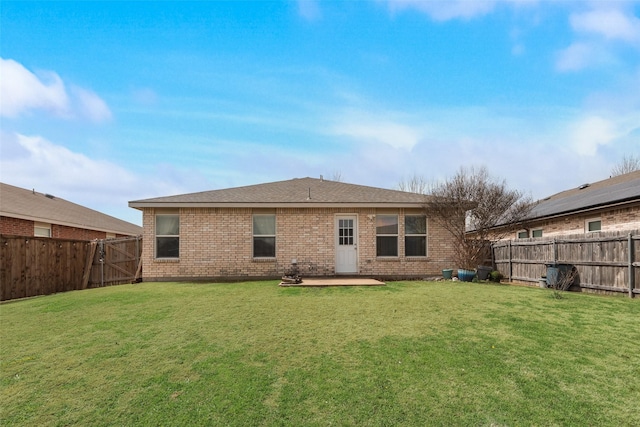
column 23, row 227
column 15, row 226
column 217, row 243
column 627, row 218
column 73, row 233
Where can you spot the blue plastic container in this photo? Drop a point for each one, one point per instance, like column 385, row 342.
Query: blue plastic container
column 466, row 275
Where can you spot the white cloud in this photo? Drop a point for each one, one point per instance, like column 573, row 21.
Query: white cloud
column 445, row 10
column 144, row 96
column 518, row 49
column 378, row 130
column 611, row 24
column 309, row 9
column 91, row 105
column 598, row 30
column 50, row 164
column 35, row 162
column 22, row 92
column 538, row 151
column 575, row 57
column 591, row 132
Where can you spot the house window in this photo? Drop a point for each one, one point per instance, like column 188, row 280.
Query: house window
column 345, row 232
column 41, row 229
column 415, row 235
column 593, row 225
column 386, row 235
column 523, row 234
column 167, row 236
column 536, row 233
column 264, row 236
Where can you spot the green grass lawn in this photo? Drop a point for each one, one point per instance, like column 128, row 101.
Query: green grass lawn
column 252, row 354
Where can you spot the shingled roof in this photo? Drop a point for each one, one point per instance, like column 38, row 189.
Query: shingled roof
column 16, row 202
column 614, row 191
column 299, row 192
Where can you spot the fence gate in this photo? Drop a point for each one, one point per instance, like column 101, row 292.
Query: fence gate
column 114, row 262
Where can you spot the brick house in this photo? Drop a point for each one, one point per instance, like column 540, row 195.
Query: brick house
column 30, row 213
column 329, row 228
column 609, row 205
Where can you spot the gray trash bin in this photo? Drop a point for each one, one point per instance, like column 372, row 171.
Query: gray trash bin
column 558, row 273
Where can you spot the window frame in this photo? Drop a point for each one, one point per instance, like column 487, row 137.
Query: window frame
column 41, row 226
column 254, row 235
column 406, row 235
column 387, row 235
column 163, row 236
column 518, row 234
column 588, row 222
column 535, row 231
column 348, row 239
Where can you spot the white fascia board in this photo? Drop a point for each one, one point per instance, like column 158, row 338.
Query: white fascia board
column 141, row 205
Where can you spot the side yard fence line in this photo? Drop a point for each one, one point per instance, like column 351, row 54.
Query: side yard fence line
column 31, row 266
column 604, row 261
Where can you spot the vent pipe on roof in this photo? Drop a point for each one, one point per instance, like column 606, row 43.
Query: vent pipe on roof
column 321, row 178
column 309, row 196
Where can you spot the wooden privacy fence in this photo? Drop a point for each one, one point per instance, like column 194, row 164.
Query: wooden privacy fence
column 33, row 266
column 604, row 261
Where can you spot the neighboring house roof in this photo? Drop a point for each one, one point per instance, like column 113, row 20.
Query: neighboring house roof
column 31, row 205
column 300, row 192
column 618, row 190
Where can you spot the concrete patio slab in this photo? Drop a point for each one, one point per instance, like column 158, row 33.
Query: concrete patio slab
column 335, row 281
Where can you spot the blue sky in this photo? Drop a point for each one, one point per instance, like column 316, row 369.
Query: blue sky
column 107, row 102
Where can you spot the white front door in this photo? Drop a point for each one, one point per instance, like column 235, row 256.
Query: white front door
column 346, row 244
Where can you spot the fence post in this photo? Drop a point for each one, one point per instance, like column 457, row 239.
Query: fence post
column 631, row 258
column 102, row 254
column 91, row 252
column 510, row 262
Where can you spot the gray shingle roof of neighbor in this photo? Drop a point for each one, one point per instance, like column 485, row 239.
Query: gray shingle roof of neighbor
column 613, row 191
column 16, row 202
column 299, row 192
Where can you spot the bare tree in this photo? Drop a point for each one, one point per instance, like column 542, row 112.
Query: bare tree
column 415, row 184
column 336, row 176
column 474, row 208
column 564, row 280
column 628, row 164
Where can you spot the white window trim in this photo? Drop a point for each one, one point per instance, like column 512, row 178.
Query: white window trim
column 396, row 235
column 537, row 229
column 425, row 234
column 522, row 231
column 41, row 226
column 253, row 236
column 589, row 221
column 155, row 240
